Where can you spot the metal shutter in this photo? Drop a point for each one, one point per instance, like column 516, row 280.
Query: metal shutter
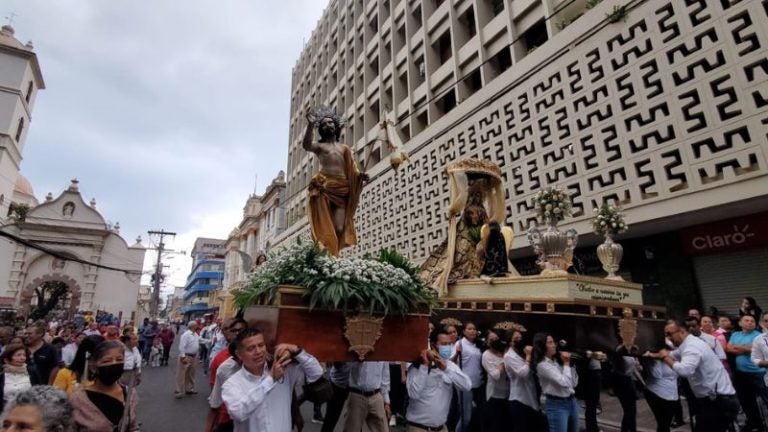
column 725, row 279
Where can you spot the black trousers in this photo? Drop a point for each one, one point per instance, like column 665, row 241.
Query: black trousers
column 166, row 354
column 226, row 427
column 592, row 399
column 716, row 415
column 525, row 418
column 495, row 415
column 398, row 393
column 624, row 388
column 333, row 408
column 663, row 410
column 747, row 389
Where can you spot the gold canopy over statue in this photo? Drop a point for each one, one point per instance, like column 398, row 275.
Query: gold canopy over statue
column 477, row 242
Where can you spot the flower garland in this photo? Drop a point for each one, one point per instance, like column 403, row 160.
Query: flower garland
column 384, row 284
column 552, row 203
column 608, row 221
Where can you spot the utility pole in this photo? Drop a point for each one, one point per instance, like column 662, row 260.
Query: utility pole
column 154, row 304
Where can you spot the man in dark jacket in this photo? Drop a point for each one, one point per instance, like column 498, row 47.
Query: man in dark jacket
column 42, row 354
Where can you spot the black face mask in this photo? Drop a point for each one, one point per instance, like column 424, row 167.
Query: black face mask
column 498, row 345
column 110, row 374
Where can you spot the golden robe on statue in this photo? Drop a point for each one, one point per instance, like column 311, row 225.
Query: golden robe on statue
column 327, row 190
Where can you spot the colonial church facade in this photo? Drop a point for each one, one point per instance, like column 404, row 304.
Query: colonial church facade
column 76, row 232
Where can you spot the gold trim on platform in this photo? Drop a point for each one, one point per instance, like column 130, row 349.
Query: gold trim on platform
column 362, row 332
column 532, row 288
column 565, row 307
column 628, row 329
column 510, row 325
column 539, row 278
column 450, row 321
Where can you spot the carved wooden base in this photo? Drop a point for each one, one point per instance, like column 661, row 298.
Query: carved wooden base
column 331, row 336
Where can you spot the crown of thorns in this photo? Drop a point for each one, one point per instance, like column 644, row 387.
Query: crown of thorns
column 322, row 112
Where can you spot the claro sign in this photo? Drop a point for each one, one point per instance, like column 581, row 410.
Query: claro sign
column 726, row 236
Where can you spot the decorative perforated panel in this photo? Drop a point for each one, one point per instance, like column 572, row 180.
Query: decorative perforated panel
column 671, row 103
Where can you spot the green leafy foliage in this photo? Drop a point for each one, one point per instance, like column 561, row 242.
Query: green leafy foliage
column 18, row 211
column 473, row 235
column 592, row 3
column 385, row 284
column 608, row 220
column 619, row 14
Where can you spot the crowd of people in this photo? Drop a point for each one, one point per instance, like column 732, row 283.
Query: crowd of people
column 499, row 380
column 77, row 375
column 62, row 377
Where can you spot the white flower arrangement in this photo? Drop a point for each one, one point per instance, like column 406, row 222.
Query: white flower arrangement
column 608, row 221
column 552, row 203
column 387, row 283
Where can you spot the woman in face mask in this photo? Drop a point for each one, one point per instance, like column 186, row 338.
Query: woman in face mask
column 523, row 399
column 496, row 418
column 468, row 356
column 106, row 405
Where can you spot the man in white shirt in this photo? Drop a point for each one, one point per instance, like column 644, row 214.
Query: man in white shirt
column 695, row 360
column 694, row 327
column 218, row 413
column 93, row 329
column 759, row 354
column 207, row 335
column 258, row 396
column 70, row 349
column 368, row 400
column 185, row 372
column 430, row 387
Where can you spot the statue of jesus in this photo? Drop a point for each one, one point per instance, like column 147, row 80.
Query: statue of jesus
column 334, row 191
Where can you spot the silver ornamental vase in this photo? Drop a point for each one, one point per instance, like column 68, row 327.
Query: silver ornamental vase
column 554, row 247
column 610, row 253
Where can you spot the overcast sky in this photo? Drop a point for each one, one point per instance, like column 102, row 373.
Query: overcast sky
column 164, row 110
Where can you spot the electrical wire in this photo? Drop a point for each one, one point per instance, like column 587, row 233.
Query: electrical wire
column 61, row 255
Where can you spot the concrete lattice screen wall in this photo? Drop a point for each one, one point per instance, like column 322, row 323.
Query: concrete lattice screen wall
column 664, row 113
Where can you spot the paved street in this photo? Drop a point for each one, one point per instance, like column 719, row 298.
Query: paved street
column 160, row 412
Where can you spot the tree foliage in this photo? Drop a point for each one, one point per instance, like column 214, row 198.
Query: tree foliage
column 49, row 296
